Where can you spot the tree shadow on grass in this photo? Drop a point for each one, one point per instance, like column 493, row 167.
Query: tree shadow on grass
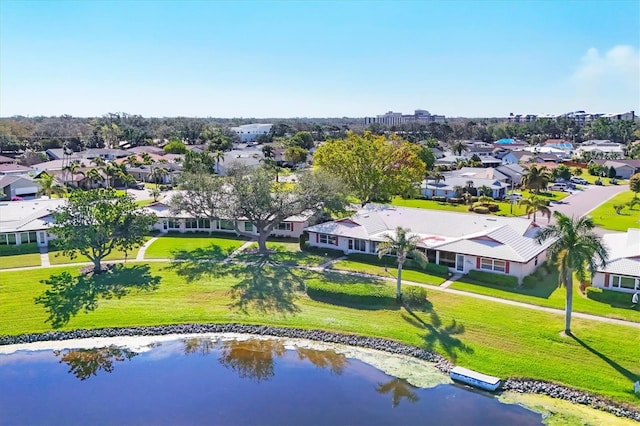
column 200, row 263
column 439, row 335
column 70, row 294
column 620, row 369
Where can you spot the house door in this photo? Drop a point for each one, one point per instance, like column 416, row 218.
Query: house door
column 460, row 262
column 42, row 240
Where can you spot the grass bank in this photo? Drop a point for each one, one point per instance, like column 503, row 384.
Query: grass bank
column 216, row 246
column 489, row 337
column 605, row 215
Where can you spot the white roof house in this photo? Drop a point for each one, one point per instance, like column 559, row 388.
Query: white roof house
column 622, row 271
column 27, row 221
column 464, row 241
column 249, row 132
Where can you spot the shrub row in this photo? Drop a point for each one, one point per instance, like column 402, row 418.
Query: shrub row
column 351, row 294
column 500, row 280
column 609, row 296
column 24, row 248
column 390, row 261
column 530, row 281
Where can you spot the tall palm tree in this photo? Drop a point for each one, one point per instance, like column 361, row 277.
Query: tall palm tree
column 94, row 176
column 111, row 171
column 72, row 170
column 458, row 147
column 98, row 161
column 402, row 244
column 576, row 249
column 49, row 186
column 219, row 157
column 535, row 204
column 536, row 178
column 158, row 173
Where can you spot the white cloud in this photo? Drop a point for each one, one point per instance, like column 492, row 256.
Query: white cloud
column 609, row 82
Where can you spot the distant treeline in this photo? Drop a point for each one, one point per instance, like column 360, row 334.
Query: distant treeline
column 40, row 133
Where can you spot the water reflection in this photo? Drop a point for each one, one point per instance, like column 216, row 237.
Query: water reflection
column 251, row 359
column 84, row 363
column 399, row 389
column 328, row 359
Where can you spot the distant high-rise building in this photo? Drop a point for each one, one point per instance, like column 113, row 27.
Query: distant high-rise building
column 579, row 117
column 395, row 118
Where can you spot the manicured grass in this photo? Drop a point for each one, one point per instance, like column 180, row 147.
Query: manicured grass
column 20, row 260
column 605, row 180
column 606, row 217
column 429, row 204
column 143, row 203
column 216, row 246
column 386, row 267
column 56, row 257
column 288, row 253
column 489, row 337
column 547, row 293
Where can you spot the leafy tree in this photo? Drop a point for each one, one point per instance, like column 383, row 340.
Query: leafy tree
column 562, row 172
column 155, row 193
column 268, row 151
column 427, row 157
column 402, row 244
column 535, row 204
column 536, row 178
column 295, row 154
column 253, row 196
column 634, row 184
column 577, row 171
column 175, row 147
column 49, row 186
column 158, row 174
column 198, row 162
column 575, row 248
column 372, row 167
column 202, row 196
column 111, row 134
column 458, row 147
column 302, row 140
column 94, row 223
column 219, row 138
column 612, row 172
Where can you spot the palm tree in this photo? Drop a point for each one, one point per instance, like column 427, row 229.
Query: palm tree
column 402, row 245
column 98, row 161
column 536, row 204
column 219, row 157
column 536, row 178
column 576, row 248
column 268, row 151
column 111, row 171
column 94, row 176
column 158, row 173
column 458, row 147
column 72, row 170
column 49, row 186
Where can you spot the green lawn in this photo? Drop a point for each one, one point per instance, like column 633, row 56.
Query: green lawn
column 489, row 337
column 605, row 180
column 386, row 267
column 19, row 260
column 289, row 253
column 547, row 293
column 56, row 257
column 606, row 217
column 216, row 246
column 429, row 204
column 143, row 203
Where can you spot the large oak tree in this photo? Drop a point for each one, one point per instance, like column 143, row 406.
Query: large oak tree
column 373, row 167
column 95, row 223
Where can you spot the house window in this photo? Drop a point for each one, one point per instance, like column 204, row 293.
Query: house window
column 11, row 238
column 204, row 223
column 373, row 247
column 24, row 237
column 623, row 282
column 358, row 245
column 3, row 239
column 284, row 226
column 448, row 259
column 225, row 224
column 493, row 265
column 328, row 239
column 174, row 224
column 248, row 227
column 535, row 262
column 191, row 223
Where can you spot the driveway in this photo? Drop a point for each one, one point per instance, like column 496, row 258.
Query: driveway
column 582, row 202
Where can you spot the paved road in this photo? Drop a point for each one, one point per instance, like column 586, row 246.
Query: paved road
column 582, row 202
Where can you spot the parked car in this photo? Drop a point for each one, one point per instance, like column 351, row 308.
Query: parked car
column 137, row 185
column 613, row 181
column 513, row 197
column 559, row 187
column 579, row 181
column 599, row 182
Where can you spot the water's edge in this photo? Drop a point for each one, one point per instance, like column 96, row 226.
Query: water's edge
column 520, row 385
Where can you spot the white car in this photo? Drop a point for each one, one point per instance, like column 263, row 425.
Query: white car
column 514, row 197
column 579, row 181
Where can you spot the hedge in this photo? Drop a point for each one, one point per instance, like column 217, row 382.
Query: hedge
column 611, row 297
column 494, row 279
column 391, row 261
column 481, row 210
column 439, row 198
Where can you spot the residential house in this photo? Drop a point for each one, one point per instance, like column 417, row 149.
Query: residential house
column 15, row 169
column 17, row 186
column 146, row 148
column 447, row 188
column 622, row 272
column 515, row 157
column 463, row 242
column 24, row 222
column 601, row 148
column 169, row 221
column 7, row 160
column 624, row 168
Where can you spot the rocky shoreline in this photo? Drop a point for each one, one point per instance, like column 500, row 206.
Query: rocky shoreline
column 521, row 385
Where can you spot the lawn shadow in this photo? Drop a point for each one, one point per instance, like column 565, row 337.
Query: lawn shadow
column 375, row 299
column 70, row 294
column 212, row 251
column 201, row 262
column 620, row 369
column 438, row 334
column 266, row 287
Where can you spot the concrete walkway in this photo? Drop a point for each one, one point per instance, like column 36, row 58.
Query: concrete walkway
column 450, row 281
column 44, row 257
column 240, row 249
column 143, row 249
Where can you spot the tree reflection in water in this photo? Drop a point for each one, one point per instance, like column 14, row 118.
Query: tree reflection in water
column 84, row 363
column 251, row 359
column 399, row 389
column 324, row 359
column 198, row 345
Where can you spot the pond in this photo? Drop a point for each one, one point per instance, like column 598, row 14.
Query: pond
column 234, row 379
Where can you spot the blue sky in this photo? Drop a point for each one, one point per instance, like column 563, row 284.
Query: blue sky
column 318, row 59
